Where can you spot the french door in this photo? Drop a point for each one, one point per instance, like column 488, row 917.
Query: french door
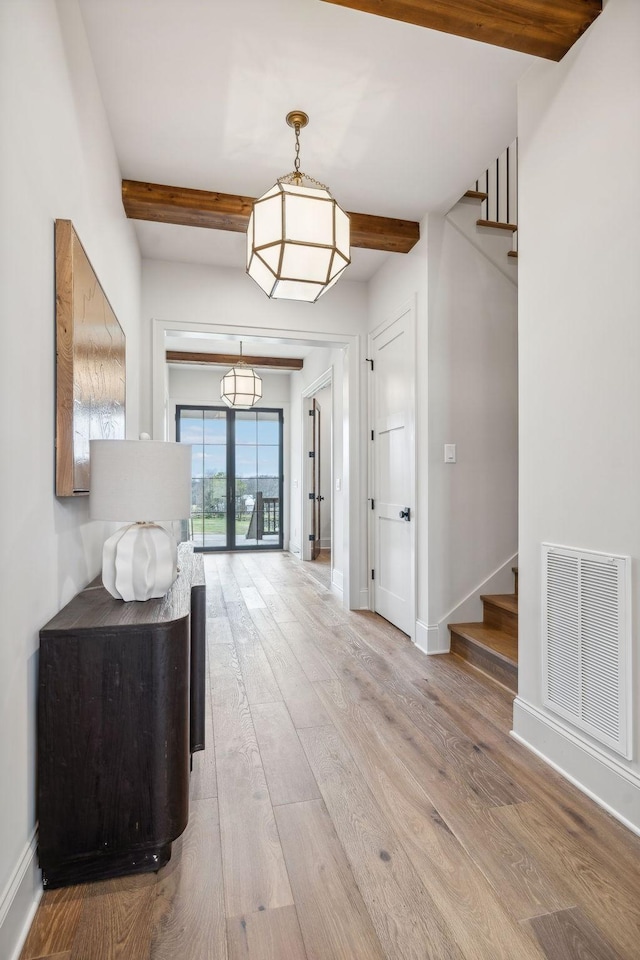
column 236, row 476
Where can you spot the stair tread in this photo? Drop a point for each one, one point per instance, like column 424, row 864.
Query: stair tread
column 496, row 641
column 476, row 194
column 497, row 225
column 506, row 601
column 513, row 253
column 514, row 569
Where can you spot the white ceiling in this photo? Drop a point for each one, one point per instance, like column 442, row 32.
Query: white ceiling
column 402, row 119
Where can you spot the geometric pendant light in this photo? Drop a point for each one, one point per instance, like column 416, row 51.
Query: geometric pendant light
column 241, row 386
column 298, row 236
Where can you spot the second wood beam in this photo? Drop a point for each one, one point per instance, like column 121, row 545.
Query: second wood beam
column 232, row 359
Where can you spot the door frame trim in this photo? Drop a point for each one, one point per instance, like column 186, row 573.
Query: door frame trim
column 353, row 480
column 409, row 306
column 231, row 545
column 324, row 380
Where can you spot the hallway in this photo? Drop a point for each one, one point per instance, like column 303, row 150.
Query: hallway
column 362, row 802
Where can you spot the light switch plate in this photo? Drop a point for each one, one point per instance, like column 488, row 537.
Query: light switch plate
column 449, row 453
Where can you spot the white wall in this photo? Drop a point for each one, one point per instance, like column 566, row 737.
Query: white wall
column 225, row 301
column 473, row 402
column 194, row 384
column 200, row 295
column 57, row 162
column 200, row 385
column 466, row 393
column 579, row 149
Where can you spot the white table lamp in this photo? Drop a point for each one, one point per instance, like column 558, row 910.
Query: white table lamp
column 142, row 481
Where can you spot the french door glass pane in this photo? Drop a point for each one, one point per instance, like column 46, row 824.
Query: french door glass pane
column 268, row 462
column 191, row 427
column 269, row 428
column 246, row 427
column 246, row 460
column 215, row 460
column 254, row 470
column 215, row 426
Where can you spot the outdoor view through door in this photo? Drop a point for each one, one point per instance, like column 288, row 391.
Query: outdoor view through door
column 236, row 476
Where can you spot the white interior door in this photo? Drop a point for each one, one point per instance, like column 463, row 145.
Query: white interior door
column 393, row 470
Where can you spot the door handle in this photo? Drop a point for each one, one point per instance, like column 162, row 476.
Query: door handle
column 319, row 498
column 405, row 514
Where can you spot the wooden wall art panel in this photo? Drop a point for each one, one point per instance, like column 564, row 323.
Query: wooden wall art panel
column 90, row 364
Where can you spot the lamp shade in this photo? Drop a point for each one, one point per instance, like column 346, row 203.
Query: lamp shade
column 297, row 241
column 139, row 480
column 241, row 386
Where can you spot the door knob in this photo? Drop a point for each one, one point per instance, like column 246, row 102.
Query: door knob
column 405, row 514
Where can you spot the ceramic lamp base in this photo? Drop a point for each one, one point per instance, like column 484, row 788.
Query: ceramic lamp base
column 139, row 562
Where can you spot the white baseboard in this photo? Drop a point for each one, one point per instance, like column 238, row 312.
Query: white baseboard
column 428, row 639
column 19, row 902
column 337, row 580
column 469, row 610
column 325, row 544
column 294, row 548
column 364, row 599
column 603, row 778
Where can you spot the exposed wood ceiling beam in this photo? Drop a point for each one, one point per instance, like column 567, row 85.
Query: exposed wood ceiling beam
column 226, row 211
column 544, row 28
column 231, row 359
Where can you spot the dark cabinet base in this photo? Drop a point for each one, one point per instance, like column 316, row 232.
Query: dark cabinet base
column 120, row 711
column 96, row 867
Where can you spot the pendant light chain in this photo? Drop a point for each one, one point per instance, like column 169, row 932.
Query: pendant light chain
column 297, row 176
column 296, row 164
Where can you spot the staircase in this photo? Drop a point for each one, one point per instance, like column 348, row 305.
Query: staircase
column 494, row 197
column 492, row 645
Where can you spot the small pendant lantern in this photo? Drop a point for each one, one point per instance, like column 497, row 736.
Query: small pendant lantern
column 298, row 236
column 241, row 386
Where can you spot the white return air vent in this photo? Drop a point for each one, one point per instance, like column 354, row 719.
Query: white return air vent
column 586, row 642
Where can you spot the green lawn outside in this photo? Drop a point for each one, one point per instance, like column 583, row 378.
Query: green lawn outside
column 218, row 524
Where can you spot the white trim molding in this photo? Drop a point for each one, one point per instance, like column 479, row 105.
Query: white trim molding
column 429, row 640
column 352, row 481
column 19, row 902
column 603, row 777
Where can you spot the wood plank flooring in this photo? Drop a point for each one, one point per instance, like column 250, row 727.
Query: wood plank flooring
column 356, row 801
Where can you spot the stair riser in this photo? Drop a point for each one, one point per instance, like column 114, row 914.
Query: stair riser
column 500, row 619
column 482, row 659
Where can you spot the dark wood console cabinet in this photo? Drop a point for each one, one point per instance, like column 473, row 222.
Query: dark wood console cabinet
column 121, row 699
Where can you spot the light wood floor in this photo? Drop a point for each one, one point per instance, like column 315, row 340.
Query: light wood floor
column 357, row 801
